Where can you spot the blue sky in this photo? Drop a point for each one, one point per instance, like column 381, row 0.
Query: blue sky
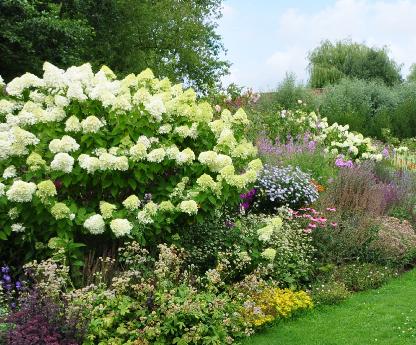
column 265, row 38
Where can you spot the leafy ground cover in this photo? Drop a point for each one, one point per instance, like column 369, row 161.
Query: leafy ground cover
column 382, row 316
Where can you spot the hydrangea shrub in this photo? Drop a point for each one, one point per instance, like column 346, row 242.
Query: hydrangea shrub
column 84, row 152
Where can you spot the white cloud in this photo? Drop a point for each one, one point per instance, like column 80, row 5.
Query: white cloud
column 296, row 32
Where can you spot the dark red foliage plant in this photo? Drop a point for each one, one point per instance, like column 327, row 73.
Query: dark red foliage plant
column 42, row 321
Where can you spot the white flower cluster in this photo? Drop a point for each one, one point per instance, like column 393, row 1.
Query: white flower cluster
column 21, row 191
column 76, row 120
column 66, row 144
column 336, row 138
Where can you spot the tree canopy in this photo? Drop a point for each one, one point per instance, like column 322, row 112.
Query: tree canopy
column 175, row 38
column 330, row 62
column 412, row 73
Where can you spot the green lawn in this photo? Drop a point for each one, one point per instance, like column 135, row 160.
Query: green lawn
column 384, row 316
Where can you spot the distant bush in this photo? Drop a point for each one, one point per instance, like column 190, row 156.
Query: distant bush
column 287, row 94
column 364, row 105
column 370, row 107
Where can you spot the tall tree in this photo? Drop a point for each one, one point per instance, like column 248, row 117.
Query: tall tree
column 330, row 62
column 33, row 31
column 175, row 38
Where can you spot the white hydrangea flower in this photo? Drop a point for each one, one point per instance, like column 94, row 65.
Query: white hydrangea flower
column 72, row 124
column 244, row 150
column 62, row 162
column 141, row 96
column 46, row 189
column 91, row 164
column 61, row 101
column 144, row 217
column 256, row 165
column 95, row 224
column 37, row 97
column 156, row 155
column 2, row 189
column 155, row 107
column 1, row 82
column 53, row 76
column 185, row 157
column 172, row 151
column 166, row 206
column 188, row 206
column 214, row 160
column 7, row 106
column 122, row 102
column 240, row 118
column 131, row 203
column 21, row 191
column 269, row 254
column 19, row 84
column 227, row 138
column 9, row 172
column 75, row 91
column 265, row 233
column 53, row 114
column 111, row 162
column 66, row 144
column 13, row 213
column 217, row 127
column 120, row 227
column 18, row 227
column 60, row 211
column 138, row 152
column 206, row 182
column 91, row 124
column 167, row 128
column 107, row 209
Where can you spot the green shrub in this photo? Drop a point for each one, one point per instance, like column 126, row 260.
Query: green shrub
column 403, row 116
column 332, row 292
column 318, row 164
column 85, row 155
column 278, row 248
column 286, row 96
column 349, row 240
column 366, row 106
column 363, row 276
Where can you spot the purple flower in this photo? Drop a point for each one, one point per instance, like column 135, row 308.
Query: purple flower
column 341, row 163
column 18, row 285
column 5, row 269
column 7, row 278
column 245, row 205
column 385, row 152
column 312, row 145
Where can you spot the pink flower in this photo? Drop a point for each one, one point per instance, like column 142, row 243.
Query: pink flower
column 334, row 224
column 331, row 209
column 312, row 226
column 307, row 231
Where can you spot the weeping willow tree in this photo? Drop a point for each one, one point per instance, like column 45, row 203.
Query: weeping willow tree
column 330, row 62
